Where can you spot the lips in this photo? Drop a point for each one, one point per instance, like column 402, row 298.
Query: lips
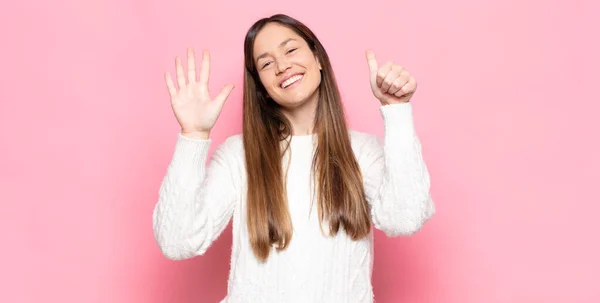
column 290, row 79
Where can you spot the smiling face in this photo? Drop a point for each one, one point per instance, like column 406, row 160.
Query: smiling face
column 287, row 67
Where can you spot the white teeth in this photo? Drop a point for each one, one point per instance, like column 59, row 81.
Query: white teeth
column 291, row 80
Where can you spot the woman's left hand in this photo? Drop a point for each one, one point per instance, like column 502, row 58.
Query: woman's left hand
column 391, row 83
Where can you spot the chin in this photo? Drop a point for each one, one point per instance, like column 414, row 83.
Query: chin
column 291, row 104
column 296, row 101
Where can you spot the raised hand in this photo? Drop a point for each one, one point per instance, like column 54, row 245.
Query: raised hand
column 390, row 83
column 192, row 105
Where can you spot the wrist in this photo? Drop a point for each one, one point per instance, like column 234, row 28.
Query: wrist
column 196, row 134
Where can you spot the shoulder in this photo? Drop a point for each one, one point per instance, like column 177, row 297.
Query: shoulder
column 359, row 138
column 231, row 146
column 233, row 141
column 364, row 143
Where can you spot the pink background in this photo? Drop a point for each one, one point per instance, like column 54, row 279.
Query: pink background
column 505, row 110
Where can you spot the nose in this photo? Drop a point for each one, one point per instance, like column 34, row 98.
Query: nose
column 283, row 64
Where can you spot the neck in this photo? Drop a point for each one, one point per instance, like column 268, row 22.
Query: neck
column 302, row 117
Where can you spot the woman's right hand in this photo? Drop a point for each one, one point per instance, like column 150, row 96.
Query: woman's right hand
column 195, row 111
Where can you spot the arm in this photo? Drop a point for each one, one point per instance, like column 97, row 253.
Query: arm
column 396, row 180
column 196, row 200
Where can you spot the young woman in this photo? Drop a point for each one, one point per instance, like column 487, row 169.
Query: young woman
column 303, row 190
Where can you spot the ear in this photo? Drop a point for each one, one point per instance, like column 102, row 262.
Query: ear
column 317, row 59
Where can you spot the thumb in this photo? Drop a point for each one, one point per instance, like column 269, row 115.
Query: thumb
column 225, row 91
column 373, row 66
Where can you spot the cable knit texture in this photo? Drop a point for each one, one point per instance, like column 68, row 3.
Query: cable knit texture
column 198, row 198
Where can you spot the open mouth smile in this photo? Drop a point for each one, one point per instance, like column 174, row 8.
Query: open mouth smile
column 291, row 81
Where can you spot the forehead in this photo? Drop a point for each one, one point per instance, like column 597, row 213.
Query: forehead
column 270, row 37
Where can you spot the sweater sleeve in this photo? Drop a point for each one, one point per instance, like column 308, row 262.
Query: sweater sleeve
column 196, row 199
column 396, row 178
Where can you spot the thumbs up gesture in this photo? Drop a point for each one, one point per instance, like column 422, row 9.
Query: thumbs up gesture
column 391, row 83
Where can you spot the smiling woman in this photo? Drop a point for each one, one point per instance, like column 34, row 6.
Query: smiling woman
column 289, row 50
column 283, row 66
column 296, row 171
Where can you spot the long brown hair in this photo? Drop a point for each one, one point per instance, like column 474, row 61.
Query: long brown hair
column 340, row 193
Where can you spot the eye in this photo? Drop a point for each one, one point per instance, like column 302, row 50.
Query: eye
column 291, row 50
column 265, row 64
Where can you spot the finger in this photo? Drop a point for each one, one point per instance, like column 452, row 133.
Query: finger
column 205, row 68
column 391, row 76
column 396, row 85
column 400, row 81
column 191, row 66
column 170, row 85
column 225, row 91
column 382, row 73
column 408, row 88
column 372, row 61
column 180, row 75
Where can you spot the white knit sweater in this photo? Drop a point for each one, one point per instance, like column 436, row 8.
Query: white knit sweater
column 197, row 200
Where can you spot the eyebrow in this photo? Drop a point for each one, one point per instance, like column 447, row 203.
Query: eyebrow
column 280, row 45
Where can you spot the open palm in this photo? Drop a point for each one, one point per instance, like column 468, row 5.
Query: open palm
column 192, row 105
